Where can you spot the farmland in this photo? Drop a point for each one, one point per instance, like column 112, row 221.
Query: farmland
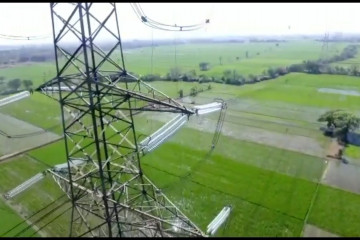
column 188, row 57
column 269, row 164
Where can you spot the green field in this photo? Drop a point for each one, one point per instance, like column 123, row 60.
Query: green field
column 259, row 196
column 267, row 165
column 10, row 220
column 353, row 152
column 188, row 57
column 337, row 211
column 34, row 204
column 299, row 89
column 38, row 110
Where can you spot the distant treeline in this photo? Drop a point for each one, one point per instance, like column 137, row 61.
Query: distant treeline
column 14, row 85
column 26, row 55
column 232, row 77
column 46, row 52
column 323, row 65
column 339, row 39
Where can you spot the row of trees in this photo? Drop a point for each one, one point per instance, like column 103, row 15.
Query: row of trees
column 194, row 91
column 322, row 65
column 36, row 58
column 231, row 76
column 14, row 85
column 313, row 67
column 27, row 54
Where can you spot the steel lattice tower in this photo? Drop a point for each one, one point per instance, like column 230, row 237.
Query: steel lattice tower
column 103, row 176
column 325, row 46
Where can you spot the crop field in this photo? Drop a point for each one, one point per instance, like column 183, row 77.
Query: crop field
column 270, row 162
column 17, row 129
column 261, row 57
column 188, row 57
column 37, row 206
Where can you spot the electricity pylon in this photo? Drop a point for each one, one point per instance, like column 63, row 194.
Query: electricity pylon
column 325, row 46
column 103, row 177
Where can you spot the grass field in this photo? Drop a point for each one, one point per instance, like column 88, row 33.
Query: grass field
column 297, row 88
column 32, row 204
column 38, row 110
column 353, row 152
column 246, row 172
column 337, row 211
column 264, row 201
column 188, row 57
column 267, row 165
column 9, row 219
column 302, row 89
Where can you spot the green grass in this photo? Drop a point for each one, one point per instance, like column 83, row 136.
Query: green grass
column 233, row 177
column 37, row 72
column 269, row 188
column 272, row 217
column 50, row 155
column 337, row 211
column 38, row 110
column 171, row 89
column 293, row 89
column 353, row 152
column 34, row 202
column 302, row 89
column 265, row 203
column 273, row 192
column 280, row 160
column 44, row 112
column 11, row 222
column 190, row 55
column 244, row 119
column 202, row 204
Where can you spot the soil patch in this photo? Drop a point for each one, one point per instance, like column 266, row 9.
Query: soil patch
column 313, row 231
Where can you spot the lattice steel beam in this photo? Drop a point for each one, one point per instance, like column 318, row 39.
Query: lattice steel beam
column 110, row 194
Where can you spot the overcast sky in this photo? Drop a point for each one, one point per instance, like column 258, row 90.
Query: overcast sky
column 29, row 19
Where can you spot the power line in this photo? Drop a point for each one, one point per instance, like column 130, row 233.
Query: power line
column 18, row 37
column 44, row 216
column 31, row 134
column 33, row 215
column 163, row 26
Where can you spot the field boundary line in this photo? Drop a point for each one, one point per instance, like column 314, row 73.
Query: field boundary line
column 11, row 155
column 320, row 157
column 33, row 226
column 37, row 160
column 313, row 198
